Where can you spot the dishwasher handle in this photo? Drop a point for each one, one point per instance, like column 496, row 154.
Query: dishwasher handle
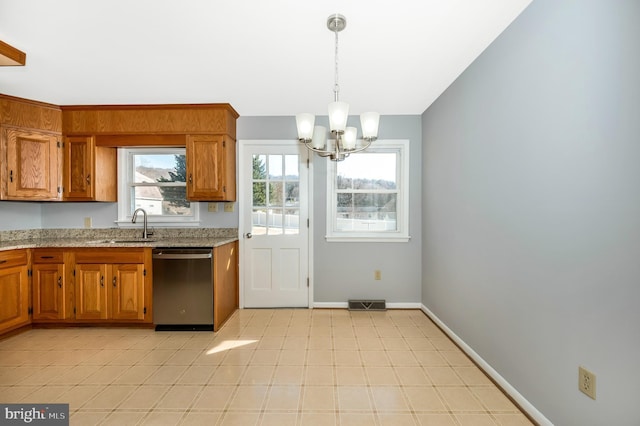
column 176, row 256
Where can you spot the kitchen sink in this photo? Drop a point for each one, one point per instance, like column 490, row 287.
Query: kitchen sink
column 124, row 241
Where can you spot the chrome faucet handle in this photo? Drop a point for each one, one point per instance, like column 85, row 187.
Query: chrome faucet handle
column 150, row 232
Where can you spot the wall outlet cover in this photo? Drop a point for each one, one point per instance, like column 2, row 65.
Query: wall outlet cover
column 587, row 382
column 212, row 207
column 229, row 207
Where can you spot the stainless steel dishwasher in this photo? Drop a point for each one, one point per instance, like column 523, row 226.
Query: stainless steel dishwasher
column 183, row 289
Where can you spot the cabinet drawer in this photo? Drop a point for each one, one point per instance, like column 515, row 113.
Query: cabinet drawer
column 110, row 255
column 47, row 256
column 12, row 258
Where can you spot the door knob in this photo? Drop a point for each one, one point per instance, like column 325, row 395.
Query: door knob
column 248, row 235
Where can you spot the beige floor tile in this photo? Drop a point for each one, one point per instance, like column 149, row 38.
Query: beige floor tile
column 456, row 358
column 105, row 375
column 493, row 399
column 196, row 375
column 279, row 419
column 473, row 376
column 184, row 357
column 370, row 343
column 365, row 331
column 402, row 358
column 123, row 418
column 239, row 419
column 353, row 398
column 419, row 344
column 110, row 397
column 157, row 357
column 318, row 419
column 144, row 397
column 350, row 376
column 475, row 420
column 258, row 374
column 441, row 376
column 292, row 357
column 46, row 394
column 249, row 397
column 436, row 420
column 195, row 418
column 179, row 397
column 320, row 343
column 298, row 331
column 318, row 398
column 345, row 343
column 227, row 374
column 410, row 331
column 283, row 398
column 460, row 399
column 87, row 417
column 238, row 357
column 388, row 398
column 166, row 374
column 265, row 357
column 295, row 342
column 518, row 419
column 288, row 375
column 381, row 376
column 44, row 375
column 320, row 331
column 356, row 419
column 412, row 376
column 271, row 342
column 430, row 358
column 276, row 330
column 423, row 398
column 319, row 357
column 214, row 398
column 162, row 418
column 129, row 357
column 443, row 343
column 320, row 375
column 391, row 419
column 375, row 358
column 347, row 358
column 77, row 396
column 15, row 394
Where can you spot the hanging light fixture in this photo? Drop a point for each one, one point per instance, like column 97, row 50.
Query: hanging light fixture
column 345, row 139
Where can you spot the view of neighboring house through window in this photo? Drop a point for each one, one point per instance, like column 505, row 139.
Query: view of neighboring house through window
column 155, row 181
column 368, row 194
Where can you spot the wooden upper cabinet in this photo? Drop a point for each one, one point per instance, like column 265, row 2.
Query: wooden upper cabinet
column 211, row 168
column 30, row 150
column 90, row 172
column 32, row 169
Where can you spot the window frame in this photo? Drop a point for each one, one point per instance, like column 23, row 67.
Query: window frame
column 401, row 149
column 125, row 182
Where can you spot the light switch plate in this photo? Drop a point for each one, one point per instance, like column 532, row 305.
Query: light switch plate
column 87, row 222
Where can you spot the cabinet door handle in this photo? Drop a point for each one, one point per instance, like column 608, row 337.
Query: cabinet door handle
column 89, row 179
column 3, row 261
column 102, row 281
column 60, row 281
column 10, row 175
column 190, row 177
column 46, row 257
column 114, row 281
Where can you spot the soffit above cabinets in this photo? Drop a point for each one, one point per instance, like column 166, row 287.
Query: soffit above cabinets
column 10, row 56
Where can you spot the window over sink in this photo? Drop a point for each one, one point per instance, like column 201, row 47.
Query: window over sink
column 154, row 179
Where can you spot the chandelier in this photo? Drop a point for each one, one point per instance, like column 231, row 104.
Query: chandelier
column 345, row 139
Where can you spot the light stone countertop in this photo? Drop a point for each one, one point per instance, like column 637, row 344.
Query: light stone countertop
column 81, row 238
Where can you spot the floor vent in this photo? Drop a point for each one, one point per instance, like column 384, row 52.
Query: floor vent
column 367, row 305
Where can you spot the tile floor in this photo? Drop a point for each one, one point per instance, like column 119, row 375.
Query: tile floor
column 265, row 367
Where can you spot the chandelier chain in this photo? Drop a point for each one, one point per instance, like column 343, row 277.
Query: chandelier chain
column 336, row 87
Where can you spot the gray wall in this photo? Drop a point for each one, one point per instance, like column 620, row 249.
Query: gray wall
column 14, row 216
column 343, row 271
column 531, row 203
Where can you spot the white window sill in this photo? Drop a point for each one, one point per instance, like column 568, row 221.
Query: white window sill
column 361, row 239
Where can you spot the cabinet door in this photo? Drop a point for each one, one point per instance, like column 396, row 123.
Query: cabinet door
column 127, row 291
column 78, row 167
column 91, row 291
column 14, row 297
column 225, row 283
column 208, row 168
column 33, row 170
column 48, row 291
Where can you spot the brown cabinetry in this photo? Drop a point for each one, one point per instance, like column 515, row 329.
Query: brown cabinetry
column 30, row 150
column 112, row 284
column 90, row 172
column 211, row 168
column 50, row 292
column 14, row 289
column 225, row 283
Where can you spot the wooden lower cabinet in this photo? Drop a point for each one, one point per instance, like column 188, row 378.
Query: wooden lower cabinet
column 225, row 283
column 119, row 290
column 50, row 292
column 14, row 289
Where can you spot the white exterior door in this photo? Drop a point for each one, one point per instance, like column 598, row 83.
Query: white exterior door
column 274, row 212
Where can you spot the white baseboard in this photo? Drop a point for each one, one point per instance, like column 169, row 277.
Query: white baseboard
column 510, row 390
column 345, row 305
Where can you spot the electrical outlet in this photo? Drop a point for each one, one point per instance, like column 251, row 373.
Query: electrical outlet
column 87, row 222
column 587, row 382
column 212, row 207
column 229, row 207
column 377, row 275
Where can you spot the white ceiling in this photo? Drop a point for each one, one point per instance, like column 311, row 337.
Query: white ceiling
column 263, row 57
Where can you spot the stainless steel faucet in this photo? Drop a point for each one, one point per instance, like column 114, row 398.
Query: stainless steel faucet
column 145, row 232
